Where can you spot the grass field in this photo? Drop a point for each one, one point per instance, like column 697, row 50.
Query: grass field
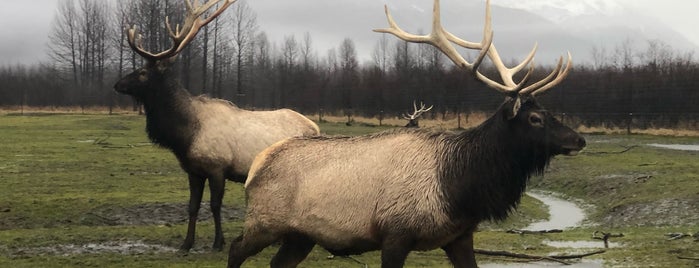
column 90, row 191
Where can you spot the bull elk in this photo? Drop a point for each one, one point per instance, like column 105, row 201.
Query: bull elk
column 413, row 118
column 406, row 189
column 211, row 138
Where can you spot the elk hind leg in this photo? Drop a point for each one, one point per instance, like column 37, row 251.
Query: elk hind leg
column 294, row 249
column 253, row 240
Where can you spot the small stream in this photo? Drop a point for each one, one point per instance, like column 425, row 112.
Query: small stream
column 563, row 214
column 680, row 147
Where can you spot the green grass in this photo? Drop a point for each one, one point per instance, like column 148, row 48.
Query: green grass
column 63, row 174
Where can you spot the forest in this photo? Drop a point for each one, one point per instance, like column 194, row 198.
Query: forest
column 233, row 58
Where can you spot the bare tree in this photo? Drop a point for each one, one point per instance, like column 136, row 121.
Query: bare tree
column 381, row 54
column 287, row 64
column 263, row 70
column 63, row 45
column 349, row 74
column 307, row 51
column 244, row 29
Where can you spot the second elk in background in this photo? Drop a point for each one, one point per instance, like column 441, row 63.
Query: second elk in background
column 212, row 138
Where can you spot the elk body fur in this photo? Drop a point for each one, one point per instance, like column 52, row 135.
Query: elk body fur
column 212, row 139
column 405, row 190
column 210, row 135
column 397, row 191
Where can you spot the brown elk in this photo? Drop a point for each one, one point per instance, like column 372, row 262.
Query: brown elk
column 211, row 138
column 413, row 118
column 406, row 189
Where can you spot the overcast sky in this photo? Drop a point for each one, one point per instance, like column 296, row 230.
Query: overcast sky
column 26, row 23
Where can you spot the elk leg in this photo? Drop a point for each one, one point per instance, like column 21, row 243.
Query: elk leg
column 294, row 249
column 460, row 252
column 196, row 190
column 394, row 252
column 251, row 242
column 217, row 186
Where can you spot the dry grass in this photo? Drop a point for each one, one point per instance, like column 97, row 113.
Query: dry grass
column 451, row 121
column 4, row 110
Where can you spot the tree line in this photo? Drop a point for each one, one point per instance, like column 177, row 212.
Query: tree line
column 233, row 58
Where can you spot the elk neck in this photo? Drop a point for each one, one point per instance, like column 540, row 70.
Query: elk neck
column 487, row 169
column 170, row 117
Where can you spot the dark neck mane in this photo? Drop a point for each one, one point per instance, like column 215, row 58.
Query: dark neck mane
column 170, row 119
column 491, row 167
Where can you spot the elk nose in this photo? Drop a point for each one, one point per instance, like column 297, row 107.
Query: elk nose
column 581, row 142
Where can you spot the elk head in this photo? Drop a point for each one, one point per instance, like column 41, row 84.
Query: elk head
column 153, row 76
column 522, row 115
column 412, row 118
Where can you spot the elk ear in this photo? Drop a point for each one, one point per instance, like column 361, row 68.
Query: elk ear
column 516, row 106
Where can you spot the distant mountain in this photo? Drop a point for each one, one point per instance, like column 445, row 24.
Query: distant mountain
column 557, row 25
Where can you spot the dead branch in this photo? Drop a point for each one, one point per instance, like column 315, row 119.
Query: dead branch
column 518, row 255
column 642, row 179
column 626, row 149
column 605, row 237
column 523, row 232
column 688, row 258
column 102, row 142
column 350, row 258
column 676, row 236
column 553, row 258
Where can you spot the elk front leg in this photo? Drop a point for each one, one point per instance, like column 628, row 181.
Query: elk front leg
column 217, row 186
column 460, row 251
column 196, row 190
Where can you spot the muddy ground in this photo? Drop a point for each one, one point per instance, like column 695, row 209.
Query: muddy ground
column 155, row 214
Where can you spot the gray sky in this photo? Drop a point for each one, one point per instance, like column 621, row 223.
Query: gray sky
column 26, row 24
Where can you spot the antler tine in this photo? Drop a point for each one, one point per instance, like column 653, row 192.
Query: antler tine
column 193, row 23
column 507, row 74
column 136, row 43
column 181, row 36
column 560, row 76
column 440, row 39
column 417, row 112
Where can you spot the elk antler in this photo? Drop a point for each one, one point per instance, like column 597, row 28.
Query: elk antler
column 181, row 36
column 417, row 112
column 441, row 39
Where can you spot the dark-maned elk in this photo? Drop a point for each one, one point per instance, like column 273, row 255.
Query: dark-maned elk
column 406, row 189
column 413, row 118
column 211, row 138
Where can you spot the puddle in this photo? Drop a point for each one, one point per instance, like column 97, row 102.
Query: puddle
column 118, row 247
column 580, row 244
column 681, row 147
column 562, row 214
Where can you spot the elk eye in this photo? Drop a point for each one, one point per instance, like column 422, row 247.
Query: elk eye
column 143, row 76
column 536, row 120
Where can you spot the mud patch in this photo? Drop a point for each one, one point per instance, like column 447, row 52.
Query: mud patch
column 665, row 212
column 580, row 244
column 114, row 247
column 154, row 214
